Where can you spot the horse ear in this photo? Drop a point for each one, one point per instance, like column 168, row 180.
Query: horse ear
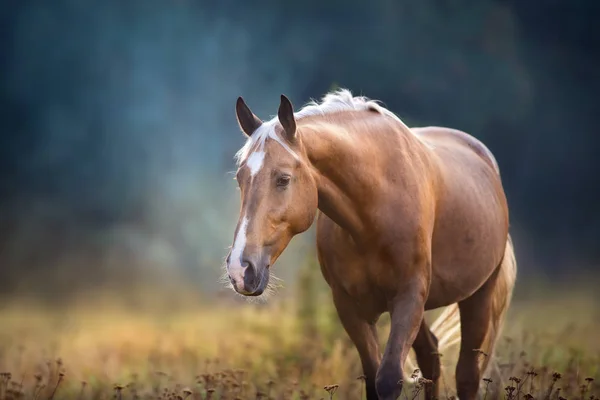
column 286, row 118
column 246, row 119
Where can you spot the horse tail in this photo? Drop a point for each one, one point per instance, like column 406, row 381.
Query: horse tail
column 446, row 328
column 501, row 299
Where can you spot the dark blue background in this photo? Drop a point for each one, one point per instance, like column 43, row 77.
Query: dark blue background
column 120, row 113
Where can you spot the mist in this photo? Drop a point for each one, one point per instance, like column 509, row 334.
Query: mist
column 133, row 103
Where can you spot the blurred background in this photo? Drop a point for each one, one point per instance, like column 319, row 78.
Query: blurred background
column 118, row 125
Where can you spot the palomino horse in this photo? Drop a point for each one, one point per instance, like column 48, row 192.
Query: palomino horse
column 411, row 220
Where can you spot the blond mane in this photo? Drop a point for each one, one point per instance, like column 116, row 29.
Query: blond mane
column 333, row 102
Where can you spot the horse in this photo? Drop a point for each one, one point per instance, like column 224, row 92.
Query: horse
column 409, row 220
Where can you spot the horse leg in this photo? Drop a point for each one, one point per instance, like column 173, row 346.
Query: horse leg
column 364, row 336
column 428, row 359
column 475, row 314
column 406, row 313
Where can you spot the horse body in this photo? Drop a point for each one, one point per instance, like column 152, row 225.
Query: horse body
column 462, row 216
column 410, row 220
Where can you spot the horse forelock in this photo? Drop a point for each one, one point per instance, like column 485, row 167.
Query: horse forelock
column 257, row 140
column 333, row 102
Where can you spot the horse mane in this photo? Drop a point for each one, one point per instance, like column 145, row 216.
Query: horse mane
column 340, row 100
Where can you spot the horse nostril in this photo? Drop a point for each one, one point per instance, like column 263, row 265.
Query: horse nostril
column 248, row 265
column 249, row 272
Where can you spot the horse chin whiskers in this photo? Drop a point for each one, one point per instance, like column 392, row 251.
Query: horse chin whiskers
column 224, row 278
column 274, row 283
column 267, row 294
column 271, row 290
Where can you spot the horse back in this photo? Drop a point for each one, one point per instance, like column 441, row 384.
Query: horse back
column 454, row 137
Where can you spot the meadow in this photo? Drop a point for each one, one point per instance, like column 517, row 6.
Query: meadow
column 173, row 344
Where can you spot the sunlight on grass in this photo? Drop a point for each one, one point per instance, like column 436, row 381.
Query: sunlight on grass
column 157, row 350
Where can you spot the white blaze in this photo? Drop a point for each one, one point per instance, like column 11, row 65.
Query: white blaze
column 235, row 267
column 255, row 162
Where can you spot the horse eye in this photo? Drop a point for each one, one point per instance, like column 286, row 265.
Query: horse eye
column 283, row 181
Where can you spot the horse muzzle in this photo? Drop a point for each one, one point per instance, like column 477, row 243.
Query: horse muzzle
column 248, row 276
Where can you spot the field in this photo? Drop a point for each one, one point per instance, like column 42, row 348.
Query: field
column 171, row 345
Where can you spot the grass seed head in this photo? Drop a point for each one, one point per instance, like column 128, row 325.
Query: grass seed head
column 556, row 376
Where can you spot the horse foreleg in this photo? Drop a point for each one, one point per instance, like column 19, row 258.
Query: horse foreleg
column 406, row 314
column 364, row 336
column 428, row 359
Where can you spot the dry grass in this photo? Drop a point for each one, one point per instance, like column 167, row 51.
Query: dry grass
column 102, row 349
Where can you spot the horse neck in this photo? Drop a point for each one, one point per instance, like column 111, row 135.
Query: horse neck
column 350, row 159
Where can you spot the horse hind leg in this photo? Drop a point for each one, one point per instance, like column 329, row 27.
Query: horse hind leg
column 428, row 359
column 481, row 318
